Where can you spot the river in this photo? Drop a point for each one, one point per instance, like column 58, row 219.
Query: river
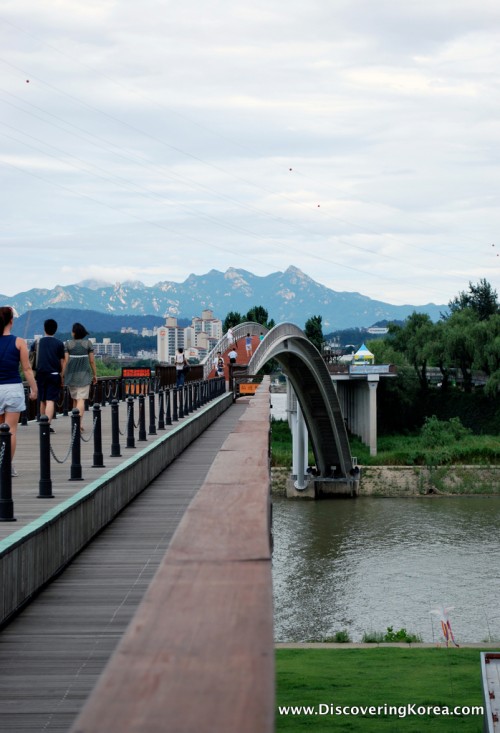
column 365, row 564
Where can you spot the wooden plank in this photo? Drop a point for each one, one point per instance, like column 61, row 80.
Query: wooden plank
column 198, row 656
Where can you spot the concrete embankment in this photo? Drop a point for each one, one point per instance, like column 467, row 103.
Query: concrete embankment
column 409, row 481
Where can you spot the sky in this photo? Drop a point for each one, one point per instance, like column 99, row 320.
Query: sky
column 357, row 141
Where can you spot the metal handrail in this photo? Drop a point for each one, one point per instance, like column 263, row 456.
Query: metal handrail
column 239, row 331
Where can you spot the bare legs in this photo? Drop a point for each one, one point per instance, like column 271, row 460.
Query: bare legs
column 12, row 420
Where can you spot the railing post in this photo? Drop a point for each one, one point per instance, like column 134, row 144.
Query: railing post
column 103, row 385
column 152, row 417
column 130, row 422
column 115, row 430
column 180, row 395
column 190, row 396
column 161, row 410
column 185, row 396
column 142, row 418
column 98, row 458
column 6, row 503
column 45, row 482
column 175, row 416
column 66, row 402
column 76, row 465
column 168, row 398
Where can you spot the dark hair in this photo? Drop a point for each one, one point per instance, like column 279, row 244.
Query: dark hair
column 6, row 316
column 50, row 326
column 181, row 350
column 79, row 331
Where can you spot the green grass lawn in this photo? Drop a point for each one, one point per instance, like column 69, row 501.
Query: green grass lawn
column 377, row 677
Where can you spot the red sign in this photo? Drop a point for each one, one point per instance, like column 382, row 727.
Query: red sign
column 135, row 372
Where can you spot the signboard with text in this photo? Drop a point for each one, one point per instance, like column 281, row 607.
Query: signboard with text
column 135, row 372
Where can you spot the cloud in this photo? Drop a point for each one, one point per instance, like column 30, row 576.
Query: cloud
column 357, row 141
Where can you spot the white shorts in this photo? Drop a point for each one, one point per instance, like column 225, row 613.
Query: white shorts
column 12, row 398
column 79, row 393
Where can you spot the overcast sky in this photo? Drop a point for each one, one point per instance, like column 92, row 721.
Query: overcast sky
column 356, row 140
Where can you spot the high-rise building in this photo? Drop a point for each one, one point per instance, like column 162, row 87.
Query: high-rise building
column 169, row 338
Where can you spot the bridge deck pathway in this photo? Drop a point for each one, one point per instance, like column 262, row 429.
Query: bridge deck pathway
column 25, row 486
column 52, row 653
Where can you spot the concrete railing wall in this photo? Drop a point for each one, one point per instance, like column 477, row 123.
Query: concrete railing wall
column 199, row 654
column 32, row 556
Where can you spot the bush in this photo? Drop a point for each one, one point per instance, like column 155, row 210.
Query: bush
column 378, row 637
column 436, row 432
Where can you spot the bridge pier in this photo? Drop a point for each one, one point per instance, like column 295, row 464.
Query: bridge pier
column 300, row 440
column 323, row 488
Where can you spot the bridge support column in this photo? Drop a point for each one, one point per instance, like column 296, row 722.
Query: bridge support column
column 372, row 382
column 299, row 485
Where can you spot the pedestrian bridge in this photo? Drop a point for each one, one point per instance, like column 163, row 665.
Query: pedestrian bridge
column 315, row 393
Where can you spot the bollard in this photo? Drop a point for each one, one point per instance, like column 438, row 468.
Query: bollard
column 142, row 418
column 185, row 393
column 66, row 402
column 6, row 503
column 180, row 397
column 190, row 396
column 115, row 430
column 161, row 410
column 175, row 415
column 152, row 417
column 76, row 464
column 45, row 482
column 130, row 423
column 168, row 416
column 98, row 458
column 103, row 384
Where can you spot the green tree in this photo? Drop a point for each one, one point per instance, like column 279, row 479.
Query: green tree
column 488, row 336
column 481, row 298
column 385, row 353
column 461, row 336
column 414, row 340
column 314, row 331
column 231, row 320
column 258, row 314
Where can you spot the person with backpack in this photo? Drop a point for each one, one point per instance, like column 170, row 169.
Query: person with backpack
column 49, row 365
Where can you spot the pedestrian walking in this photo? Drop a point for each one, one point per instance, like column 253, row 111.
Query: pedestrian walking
column 79, row 367
column 13, row 352
column 180, row 366
column 49, row 359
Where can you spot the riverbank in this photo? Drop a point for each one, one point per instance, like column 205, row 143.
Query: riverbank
column 412, row 481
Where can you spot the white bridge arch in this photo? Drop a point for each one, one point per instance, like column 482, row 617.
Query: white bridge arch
column 307, row 372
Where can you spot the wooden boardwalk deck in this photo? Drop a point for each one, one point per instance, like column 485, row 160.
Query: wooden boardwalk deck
column 25, row 486
column 52, row 653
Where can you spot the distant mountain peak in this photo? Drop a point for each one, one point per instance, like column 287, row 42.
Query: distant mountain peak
column 94, row 284
column 287, row 296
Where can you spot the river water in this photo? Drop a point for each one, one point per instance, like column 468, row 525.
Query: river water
column 368, row 563
column 365, row 564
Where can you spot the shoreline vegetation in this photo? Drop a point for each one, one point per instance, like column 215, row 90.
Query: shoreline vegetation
column 442, row 459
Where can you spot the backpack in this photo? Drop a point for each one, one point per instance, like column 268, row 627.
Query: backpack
column 33, row 356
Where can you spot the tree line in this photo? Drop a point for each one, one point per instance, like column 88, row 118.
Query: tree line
column 466, row 339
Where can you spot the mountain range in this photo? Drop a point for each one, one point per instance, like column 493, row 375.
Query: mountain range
column 287, row 296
